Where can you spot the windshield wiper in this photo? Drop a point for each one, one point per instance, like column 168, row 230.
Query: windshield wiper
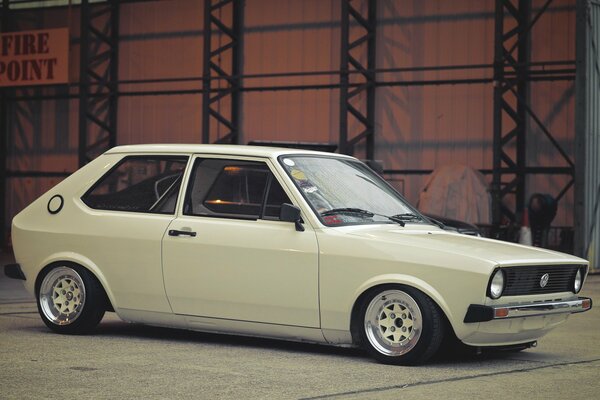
column 407, row 217
column 350, row 210
column 436, row 222
column 413, row 217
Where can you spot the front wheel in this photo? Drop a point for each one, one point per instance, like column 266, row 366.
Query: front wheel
column 70, row 300
column 400, row 325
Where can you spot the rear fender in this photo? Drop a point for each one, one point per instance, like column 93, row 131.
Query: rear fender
column 84, row 262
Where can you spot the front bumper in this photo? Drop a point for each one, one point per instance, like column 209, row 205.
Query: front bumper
column 480, row 313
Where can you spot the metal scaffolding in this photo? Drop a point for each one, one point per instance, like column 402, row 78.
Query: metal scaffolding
column 362, row 15
column 98, row 88
column 221, row 71
column 512, row 74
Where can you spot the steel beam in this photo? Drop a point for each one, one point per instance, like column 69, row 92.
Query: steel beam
column 98, row 89
column 581, row 116
column 523, row 44
column 360, row 15
column 221, row 71
column 512, row 20
column 4, row 20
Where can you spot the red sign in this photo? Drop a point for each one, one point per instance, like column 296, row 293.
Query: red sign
column 34, row 57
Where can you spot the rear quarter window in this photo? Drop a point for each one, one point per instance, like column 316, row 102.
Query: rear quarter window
column 139, row 184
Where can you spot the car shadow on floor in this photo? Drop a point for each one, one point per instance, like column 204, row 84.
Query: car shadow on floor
column 451, row 354
column 124, row 329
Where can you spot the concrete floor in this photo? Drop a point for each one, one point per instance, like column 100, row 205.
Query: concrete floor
column 134, row 361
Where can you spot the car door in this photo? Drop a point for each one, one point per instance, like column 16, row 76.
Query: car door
column 227, row 255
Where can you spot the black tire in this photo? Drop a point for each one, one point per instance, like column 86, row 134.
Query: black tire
column 70, row 299
column 399, row 325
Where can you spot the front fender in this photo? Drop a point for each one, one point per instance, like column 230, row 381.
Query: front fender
column 407, row 280
column 452, row 281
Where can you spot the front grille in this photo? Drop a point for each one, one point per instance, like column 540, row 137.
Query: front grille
column 525, row 280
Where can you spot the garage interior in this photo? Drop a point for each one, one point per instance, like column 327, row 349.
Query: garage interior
column 509, row 88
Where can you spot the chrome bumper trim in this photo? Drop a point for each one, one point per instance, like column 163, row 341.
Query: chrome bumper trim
column 535, row 309
column 480, row 313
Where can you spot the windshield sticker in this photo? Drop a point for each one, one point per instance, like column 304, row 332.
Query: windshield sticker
column 298, row 175
column 288, row 162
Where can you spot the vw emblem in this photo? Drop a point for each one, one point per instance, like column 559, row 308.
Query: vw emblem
column 544, row 280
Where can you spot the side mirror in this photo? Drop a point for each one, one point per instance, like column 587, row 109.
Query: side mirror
column 291, row 213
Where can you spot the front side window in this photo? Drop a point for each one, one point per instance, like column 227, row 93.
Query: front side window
column 231, row 188
column 344, row 191
column 139, row 184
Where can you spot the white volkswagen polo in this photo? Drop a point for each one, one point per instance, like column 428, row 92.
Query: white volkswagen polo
column 278, row 243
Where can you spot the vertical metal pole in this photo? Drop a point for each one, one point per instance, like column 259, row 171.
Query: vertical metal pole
column 498, row 92
column 3, row 164
column 523, row 97
column 84, row 80
column 364, row 82
column 3, row 137
column 515, row 110
column 98, row 81
column 344, row 79
column 581, row 123
column 371, row 65
column 113, row 83
column 227, row 23
column 206, row 81
column 236, row 69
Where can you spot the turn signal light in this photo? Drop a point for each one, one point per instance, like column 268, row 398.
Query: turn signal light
column 501, row 312
column 586, row 304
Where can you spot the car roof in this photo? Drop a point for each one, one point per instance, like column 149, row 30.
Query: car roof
column 229, row 149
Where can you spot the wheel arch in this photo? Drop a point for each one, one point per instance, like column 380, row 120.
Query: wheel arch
column 75, row 260
column 379, row 282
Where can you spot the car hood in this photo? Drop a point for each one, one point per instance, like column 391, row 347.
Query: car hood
column 426, row 237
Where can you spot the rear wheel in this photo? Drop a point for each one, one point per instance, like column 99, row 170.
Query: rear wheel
column 70, row 299
column 400, row 325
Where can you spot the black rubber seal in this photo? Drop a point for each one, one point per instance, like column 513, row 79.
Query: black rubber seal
column 479, row 313
column 62, row 202
column 14, row 271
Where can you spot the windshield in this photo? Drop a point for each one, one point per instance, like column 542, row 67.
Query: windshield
column 343, row 192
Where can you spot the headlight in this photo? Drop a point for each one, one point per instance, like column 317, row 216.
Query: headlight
column 496, row 284
column 578, row 281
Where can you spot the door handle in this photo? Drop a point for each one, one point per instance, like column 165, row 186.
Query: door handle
column 175, row 232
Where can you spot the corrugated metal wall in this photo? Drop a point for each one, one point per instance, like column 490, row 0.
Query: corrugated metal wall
column 291, row 36
column 429, row 126
column 588, row 131
column 593, row 158
column 417, row 127
column 160, row 40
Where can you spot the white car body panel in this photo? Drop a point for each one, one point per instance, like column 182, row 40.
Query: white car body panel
column 261, row 277
column 229, row 270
